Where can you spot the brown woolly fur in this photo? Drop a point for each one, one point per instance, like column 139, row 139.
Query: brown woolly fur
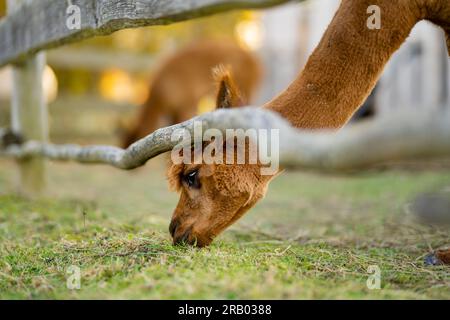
column 348, row 61
column 338, row 76
column 443, row 256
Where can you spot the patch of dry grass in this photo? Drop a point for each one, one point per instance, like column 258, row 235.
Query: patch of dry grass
column 312, row 237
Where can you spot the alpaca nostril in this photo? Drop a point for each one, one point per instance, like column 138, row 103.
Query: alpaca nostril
column 186, row 234
column 173, row 227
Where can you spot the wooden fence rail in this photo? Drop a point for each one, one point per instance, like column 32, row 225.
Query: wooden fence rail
column 401, row 136
column 44, row 24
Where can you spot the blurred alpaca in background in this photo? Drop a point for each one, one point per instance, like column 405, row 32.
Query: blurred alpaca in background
column 185, row 78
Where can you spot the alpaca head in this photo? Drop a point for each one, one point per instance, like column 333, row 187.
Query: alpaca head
column 213, row 196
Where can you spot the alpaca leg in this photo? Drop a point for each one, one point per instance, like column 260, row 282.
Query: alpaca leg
column 147, row 121
column 447, row 37
column 185, row 114
column 150, row 119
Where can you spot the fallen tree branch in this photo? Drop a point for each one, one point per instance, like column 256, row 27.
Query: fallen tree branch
column 149, row 147
column 399, row 137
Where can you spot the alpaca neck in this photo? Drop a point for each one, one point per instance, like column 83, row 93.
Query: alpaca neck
column 345, row 66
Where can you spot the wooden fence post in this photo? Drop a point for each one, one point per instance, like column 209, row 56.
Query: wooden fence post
column 29, row 113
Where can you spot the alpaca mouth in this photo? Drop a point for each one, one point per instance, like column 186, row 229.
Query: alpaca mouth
column 185, row 237
column 188, row 237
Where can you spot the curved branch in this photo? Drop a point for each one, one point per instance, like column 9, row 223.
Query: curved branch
column 401, row 136
column 149, row 147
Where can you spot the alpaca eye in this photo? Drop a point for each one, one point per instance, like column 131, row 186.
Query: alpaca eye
column 192, row 179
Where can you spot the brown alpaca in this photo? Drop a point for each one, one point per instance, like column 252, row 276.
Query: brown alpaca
column 337, row 78
column 185, row 78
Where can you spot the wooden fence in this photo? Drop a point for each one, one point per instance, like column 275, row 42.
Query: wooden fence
column 418, row 75
column 32, row 26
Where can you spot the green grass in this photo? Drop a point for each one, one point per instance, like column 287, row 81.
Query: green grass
column 314, row 236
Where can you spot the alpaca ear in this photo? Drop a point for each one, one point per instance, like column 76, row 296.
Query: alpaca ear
column 228, row 95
